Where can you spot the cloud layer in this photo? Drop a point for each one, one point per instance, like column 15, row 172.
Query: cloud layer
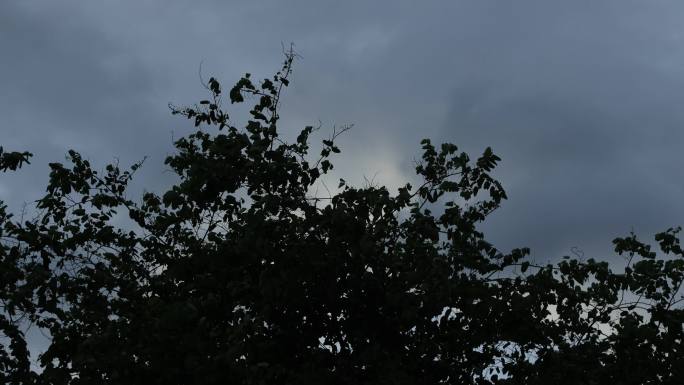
column 581, row 99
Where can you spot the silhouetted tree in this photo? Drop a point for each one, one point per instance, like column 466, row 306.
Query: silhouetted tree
column 238, row 275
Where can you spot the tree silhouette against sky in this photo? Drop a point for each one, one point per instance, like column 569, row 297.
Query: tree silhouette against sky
column 238, row 274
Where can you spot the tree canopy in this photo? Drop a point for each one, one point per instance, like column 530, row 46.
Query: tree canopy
column 237, row 274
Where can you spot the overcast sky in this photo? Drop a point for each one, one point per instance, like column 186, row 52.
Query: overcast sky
column 581, row 99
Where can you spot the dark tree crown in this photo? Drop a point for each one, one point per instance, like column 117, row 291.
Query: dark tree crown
column 237, row 274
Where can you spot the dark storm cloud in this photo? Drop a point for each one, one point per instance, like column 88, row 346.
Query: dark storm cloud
column 580, row 98
column 583, row 104
column 66, row 85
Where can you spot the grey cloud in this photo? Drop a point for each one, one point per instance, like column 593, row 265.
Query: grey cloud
column 584, row 109
column 66, row 85
column 581, row 99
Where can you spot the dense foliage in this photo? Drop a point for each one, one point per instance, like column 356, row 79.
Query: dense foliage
column 237, row 274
